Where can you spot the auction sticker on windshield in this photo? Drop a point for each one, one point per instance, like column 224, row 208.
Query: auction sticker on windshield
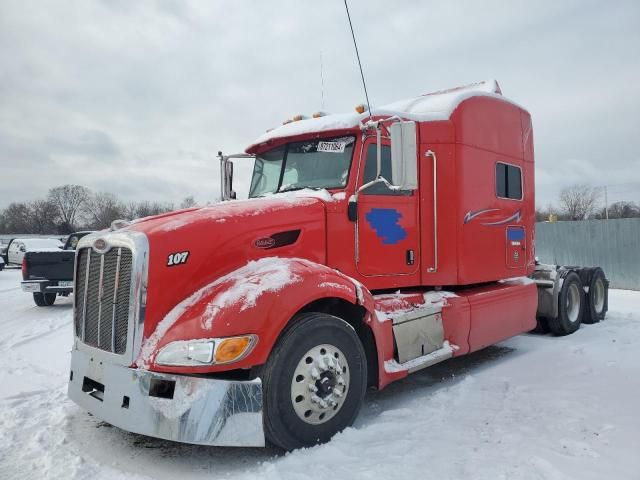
column 331, row 147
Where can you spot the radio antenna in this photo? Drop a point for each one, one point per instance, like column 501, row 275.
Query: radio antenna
column 358, row 56
column 321, row 83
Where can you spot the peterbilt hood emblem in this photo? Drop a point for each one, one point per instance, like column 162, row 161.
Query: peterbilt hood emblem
column 101, row 245
column 265, row 242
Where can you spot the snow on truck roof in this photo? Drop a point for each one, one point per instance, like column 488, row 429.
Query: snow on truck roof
column 429, row 107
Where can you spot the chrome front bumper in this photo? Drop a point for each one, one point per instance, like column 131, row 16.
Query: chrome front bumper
column 181, row 408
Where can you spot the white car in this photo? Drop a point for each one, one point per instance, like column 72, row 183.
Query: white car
column 19, row 246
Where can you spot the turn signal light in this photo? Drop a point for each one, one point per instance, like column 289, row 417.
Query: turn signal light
column 361, row 108
column 234, row 348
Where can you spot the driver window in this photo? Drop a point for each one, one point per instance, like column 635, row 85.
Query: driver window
column 266, row 172
column 371, row 167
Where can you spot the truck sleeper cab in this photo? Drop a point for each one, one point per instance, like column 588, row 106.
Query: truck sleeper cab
column 371, row 246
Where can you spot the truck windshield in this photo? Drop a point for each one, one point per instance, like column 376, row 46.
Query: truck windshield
column 323, row 163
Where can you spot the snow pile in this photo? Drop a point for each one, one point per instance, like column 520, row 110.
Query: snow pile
column 438, row 297
column 321, row 193
column 333, row 285
column 246, row 285
column 516, row 281
column 430, row 107
column 392, row 366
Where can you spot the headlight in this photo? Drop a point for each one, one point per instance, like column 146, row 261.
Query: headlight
column 197, row 353
column 189, row 353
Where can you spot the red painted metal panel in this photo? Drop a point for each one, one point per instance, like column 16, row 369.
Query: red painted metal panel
column 500, row 311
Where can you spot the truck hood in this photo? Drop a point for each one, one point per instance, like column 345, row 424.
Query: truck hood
column 192, row 248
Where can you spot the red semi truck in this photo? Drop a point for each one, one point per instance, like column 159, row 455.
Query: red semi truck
column 372, row 246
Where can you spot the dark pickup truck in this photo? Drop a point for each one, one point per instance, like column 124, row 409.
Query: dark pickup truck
column 47, row 274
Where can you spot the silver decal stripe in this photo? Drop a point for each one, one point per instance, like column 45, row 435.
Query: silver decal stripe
column 471, row 215
column 513, row 218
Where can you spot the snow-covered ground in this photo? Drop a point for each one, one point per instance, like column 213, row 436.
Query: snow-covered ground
column 533, row 407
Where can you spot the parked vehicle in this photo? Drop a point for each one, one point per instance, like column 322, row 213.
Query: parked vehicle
column 4, row 246
column 49, row 273
column 19, row 246
column 372, row 247
column 1, row 263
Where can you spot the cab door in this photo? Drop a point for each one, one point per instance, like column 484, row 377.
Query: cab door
column 388, row 235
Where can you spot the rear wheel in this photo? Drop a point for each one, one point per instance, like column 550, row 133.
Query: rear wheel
column 542, row 325
column 570, row 306
column 314, row 381
column 44, row 299
column 597, row 297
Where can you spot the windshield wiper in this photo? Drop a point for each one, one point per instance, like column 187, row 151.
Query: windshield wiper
column 293, row 188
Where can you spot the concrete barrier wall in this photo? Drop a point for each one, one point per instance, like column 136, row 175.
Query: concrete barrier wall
column 613, row 245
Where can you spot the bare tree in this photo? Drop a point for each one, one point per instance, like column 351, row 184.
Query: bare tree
column 101, row 209
column 146, row 209
column 188, row 202
column 16, row 218
column 42, row 216
column 545, row 214
column 621, row 209
column 578, row 201
column 68, row 199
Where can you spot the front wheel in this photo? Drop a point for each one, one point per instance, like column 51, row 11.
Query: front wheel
column 314, row 381
column 44, row 299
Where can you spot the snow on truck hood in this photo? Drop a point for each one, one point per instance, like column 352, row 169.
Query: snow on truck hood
column 221, row 212
column 429, row 107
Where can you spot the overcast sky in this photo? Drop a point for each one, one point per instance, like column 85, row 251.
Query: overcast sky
column 136, row 97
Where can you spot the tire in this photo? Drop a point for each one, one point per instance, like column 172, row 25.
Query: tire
column 597, row 298
column 296, row 417
column 570, row 306
column 44, row 299
column 542, row 325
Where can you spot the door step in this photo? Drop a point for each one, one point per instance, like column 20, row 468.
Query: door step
column 424, row 361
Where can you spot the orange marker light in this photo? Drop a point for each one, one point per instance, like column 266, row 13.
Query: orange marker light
column 361, row 108
column 232, row 349
column 318, row 114
column 297, row 118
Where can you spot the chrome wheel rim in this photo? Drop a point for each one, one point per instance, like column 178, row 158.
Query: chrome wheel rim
column 573, row 303
column 319, row 384
column 598, row 295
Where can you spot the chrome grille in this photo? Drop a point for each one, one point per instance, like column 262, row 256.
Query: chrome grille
column 103, row 283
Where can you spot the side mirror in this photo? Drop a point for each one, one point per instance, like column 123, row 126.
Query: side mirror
column 404, row 163
column 352, row 209
column 228, row 175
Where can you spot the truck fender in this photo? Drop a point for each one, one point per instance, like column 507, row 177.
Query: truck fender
column 259, row 298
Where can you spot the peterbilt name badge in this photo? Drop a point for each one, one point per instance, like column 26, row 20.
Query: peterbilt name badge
column 265, row 242
column 100, row 245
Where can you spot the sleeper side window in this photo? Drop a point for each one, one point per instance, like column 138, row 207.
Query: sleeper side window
column 508, row 181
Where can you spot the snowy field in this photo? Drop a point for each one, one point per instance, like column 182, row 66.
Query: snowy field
column 534, row 407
